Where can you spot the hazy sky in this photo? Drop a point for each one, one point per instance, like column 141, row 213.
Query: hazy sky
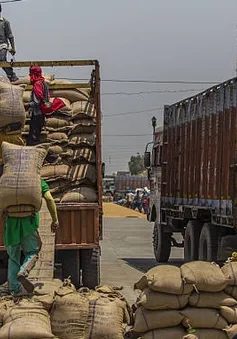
column 133, row 39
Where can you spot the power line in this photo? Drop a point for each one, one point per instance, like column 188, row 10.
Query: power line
column 133, row 112
column 152, row 92
column 126, row 135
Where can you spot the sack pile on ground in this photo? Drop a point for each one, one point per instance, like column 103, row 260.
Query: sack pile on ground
column 57, row 310
column 197, row 300
column 70, row 133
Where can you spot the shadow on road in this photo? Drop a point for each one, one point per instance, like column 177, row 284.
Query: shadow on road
column 144, row 264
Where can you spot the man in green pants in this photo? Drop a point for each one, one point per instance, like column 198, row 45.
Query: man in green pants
column 22, row 234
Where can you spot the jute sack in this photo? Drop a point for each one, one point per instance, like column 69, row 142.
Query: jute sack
column 26, row 320
column 146, row 320
column 161, row 301
column 229, row 313
column 59, row 186
column 26, row 79
column 207, row 334
column 56, row 149
column 60, row 171
column 75, row 140
column 85, row 174
column 57, row 136
column 57, row 123
column 20, row 188
column 72, row 95
column 205, row 276
column 81, row 109
column 205, row 318
column 46, row 300
column 211, row 300
column 69, row 314
column 76, row 156
column 231, row 331
column 230, row 272
column 165, row 333
column 11, row 104
column 165, row 279
column 12, row 139
column 85, row 126
column 80, row 194
column 232, row 290
column 47, row 287
column 106, row 316
column 5, row 303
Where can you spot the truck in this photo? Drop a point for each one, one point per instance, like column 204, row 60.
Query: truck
column 192, row 172
column 77, row 243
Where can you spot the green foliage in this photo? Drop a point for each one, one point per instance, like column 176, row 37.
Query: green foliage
column 136, row 164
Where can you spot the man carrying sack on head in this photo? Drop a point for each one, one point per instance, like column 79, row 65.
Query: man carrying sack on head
column 40, row 105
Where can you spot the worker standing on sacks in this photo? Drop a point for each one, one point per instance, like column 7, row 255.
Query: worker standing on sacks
column 40, row 105
column 21, row 232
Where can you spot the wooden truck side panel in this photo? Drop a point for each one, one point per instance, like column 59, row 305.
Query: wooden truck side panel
column 199, row 152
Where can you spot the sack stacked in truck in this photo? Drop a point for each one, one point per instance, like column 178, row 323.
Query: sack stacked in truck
column 88, row 314
column 20, row 188
column 163, row 294
column 71, row 134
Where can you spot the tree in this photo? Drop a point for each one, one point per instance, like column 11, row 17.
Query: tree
column 136, row 164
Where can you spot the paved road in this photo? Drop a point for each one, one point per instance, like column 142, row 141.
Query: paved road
column 127, row 253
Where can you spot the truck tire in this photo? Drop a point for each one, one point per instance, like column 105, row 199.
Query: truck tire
column 191, row 240
column 90, row 264
column 70, row 260
column 161, row 243
column 208, row 243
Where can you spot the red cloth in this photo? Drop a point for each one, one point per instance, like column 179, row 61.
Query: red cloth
column 37, row 79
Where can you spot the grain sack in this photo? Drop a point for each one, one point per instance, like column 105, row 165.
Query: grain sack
column 46, row 300
column 165, row 279
column 80, row 194
column 47, row 287
column 207, row 334
column 231, row 331
column 205, row 276
column 161, row 301
column 72, row 95
column 84, row 174
column 57, row 136
column 85, row 126
column 20, row 188
column 165, row 333
column 12, row 139
column 146, row 320
column 230, row 272
column 57, row 123
column 26, row 96
column 11, row 104
column 211, row 300
column 82, row 109
column 232, row 290
column 229, row 313
column 69, row 314
column 56, row 149
column 26, row 320
column 55, row 171
column 5, row 303
column 59, row 186
column 75, row 140
column 205, row 318
column 106, row 316
column 26, row 79
column 80, row 155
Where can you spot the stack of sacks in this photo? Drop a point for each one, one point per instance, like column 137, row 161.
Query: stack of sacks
column 229, row 312
column 192, row 299
column 71, row 134
column 164, row 294
column 12, row 113
column 88, row 314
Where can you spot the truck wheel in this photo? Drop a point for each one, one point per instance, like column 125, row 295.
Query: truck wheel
column 191, row 240
column 70, row 260
column 90, row 264
column 208, row 243
column 161, row 243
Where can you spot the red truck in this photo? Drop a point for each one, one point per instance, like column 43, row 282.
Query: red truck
column 195, row 161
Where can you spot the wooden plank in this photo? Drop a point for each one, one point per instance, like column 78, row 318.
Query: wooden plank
column 50, row 63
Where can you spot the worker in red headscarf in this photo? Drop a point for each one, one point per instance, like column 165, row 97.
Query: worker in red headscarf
column 40, row 106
